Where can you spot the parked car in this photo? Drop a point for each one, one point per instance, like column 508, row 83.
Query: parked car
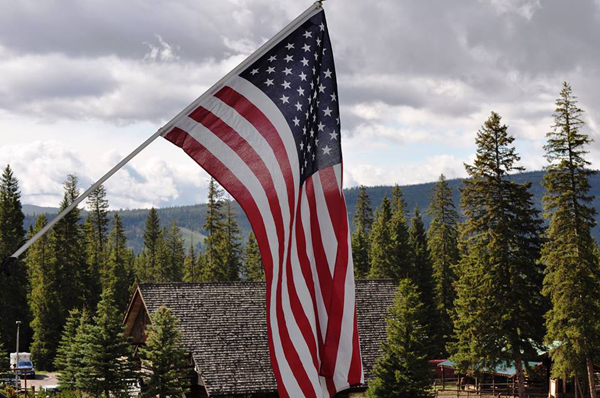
column 26, row 369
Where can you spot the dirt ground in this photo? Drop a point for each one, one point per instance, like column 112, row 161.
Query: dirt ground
column 47, row 379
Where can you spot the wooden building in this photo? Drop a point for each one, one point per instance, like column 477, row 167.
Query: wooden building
column 224, row 328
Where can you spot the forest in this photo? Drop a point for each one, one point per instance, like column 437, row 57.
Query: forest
column 491, row 269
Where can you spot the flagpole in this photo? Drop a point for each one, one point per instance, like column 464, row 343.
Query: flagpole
column 313, row 9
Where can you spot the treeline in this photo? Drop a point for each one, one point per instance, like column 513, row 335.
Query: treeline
column 73, row 265
column 497, row 287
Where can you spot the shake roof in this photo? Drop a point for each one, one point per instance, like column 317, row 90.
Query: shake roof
column 224, row 328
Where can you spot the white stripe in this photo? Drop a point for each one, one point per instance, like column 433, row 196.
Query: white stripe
column 321, row 308
column 327, row 231
column 239, row 168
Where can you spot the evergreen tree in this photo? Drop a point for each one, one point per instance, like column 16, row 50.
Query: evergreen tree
column 215, row 257
column 403, row 254
column 423, row 279
column 363, row 222
column 443, row 246
column 233, row 247
column 67, row 243
column 253, row 268
column 499, row 306
column 174, row 255
column 68, row 354
column 164, row 356
column 13, row 294
column 572, row 270
column 96, row 232
column 148, row 263
column 119, row 278
column 190, row 272
column 381, row 248
column 402, row 371
column 107, row 366
column 44, row 299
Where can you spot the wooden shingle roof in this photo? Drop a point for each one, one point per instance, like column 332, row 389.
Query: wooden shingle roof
column 224, row 328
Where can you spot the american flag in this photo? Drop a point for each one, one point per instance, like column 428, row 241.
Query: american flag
column 270, row 136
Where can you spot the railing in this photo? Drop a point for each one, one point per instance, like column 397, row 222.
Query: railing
column 457, row 388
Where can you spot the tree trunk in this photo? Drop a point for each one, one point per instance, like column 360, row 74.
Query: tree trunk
column 520, row 376
column 591, row 377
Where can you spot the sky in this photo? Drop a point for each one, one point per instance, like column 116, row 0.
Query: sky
column 84, row 82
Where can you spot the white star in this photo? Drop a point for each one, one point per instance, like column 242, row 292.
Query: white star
column 314, row 70
column 337, row 119
column 333, row 135
column 304, row 130
column 305, row 162
column 289, row 58
column 285, row 84
column 326, row 150
column 333, row 97
column 306, row 114
column 327, row 111
column 317, row 141
column 302, row 76
column 289, row 46
column 272, row 58
column 300, row 91
column 270, row 69
column 318, row 42
column 322, row 26
column 321, row 88
column 316, row 56
column 307, row 34
column 313, row 156
column 287, row 71
column 304, row 62
column 301, row 145
column 298, row 106
column 321, row 126
column 312, row 85
column 328, row 73
column 314, row 117
column 284, row 99
column 308, row 148
column 269, row 82
column 306, row 47
column 324, row 49
column 296, row 121
column 312, row 132
column 254, row 72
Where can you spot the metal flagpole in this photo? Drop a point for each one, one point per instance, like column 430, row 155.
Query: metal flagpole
column 313, row 9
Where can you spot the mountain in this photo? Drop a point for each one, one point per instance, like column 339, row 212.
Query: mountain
column 191, row 218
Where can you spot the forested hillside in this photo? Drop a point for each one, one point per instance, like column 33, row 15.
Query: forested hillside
column 191, row 218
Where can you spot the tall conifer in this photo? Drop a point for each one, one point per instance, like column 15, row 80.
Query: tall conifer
column 190, row 271
column 363, row 222
column 381, row 248
column 233, row 246
column 403, row 254
column 96, row 231
column 119, row 278
column 148, row 263
column 402, row 371
column 174, row 255
column 44, row 299
column 68, row 354
column 13, row 291
column 572, row 271
column 215, row 256
column 499, row 306
column 253, row 269
column 443, row 246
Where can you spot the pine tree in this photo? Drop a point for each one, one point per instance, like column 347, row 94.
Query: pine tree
column 96, row 232
column 233, row 246
column 164, row 356
column 190, row 272
column 423, row 279
column 443, row 246
column 174, row 256
column 363, row 222
column 403, row 254
column 499, row 306
column 253, row 269
column 107, row 366
column 148, row 263
column 68, row 354
column 572, row 270
column 402, row 371
column 215, row 257
column 119, row 278
column 381, row 248
column 13, row 294
column 44, row 299
column 67, row 243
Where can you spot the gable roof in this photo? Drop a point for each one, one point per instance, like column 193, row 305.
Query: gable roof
column 224, row 328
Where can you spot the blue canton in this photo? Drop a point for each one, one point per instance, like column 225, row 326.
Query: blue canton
column 298, row 75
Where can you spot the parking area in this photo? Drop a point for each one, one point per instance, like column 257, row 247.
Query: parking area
column 45, row 379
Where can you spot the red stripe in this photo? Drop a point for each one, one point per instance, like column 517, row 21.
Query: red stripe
column 355, row 372
column 337, row 212
column 330, row 387
column 230, row 182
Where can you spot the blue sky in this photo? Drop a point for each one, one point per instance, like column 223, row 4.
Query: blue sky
column 83, row 83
